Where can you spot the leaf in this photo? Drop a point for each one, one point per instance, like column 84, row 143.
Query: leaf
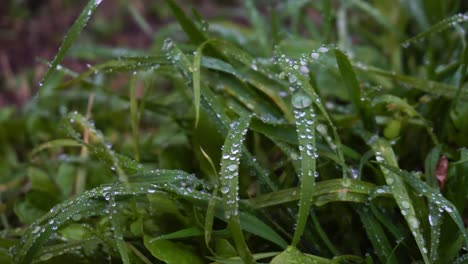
column 384, row 153
column 305, row 125
column 170, row 252
column 69, row 39
column 437, row 28
column 229, row 181
column 354, row 91
column 293, row 256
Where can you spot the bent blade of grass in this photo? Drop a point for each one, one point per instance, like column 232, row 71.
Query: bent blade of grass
column 324, row 191
column 229, row 180
column 56, row 143
column 384, row 153
column 90, row 203
column 69, row 39
column 433, row 196
column 354, row 90
column 215, row 110
column 438, row 27
column 305, row 125
column 433, row 87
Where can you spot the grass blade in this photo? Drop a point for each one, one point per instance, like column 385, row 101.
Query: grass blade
column 354, row 91
column 384, row 153
column 229, row 180
column 69, row 39
column 305, row 125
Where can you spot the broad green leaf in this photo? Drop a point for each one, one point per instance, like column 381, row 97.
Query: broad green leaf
column 171, row 252
column 293, row 256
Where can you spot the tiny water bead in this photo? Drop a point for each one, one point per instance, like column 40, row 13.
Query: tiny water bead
column 413, row 222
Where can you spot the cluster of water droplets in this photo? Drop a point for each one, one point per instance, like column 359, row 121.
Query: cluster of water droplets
column 230, row 161
column 176, row 57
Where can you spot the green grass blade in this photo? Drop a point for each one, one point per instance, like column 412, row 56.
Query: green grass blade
column 324, row 192
column 69, row 39
column 229, row 180
column 134, row 115
column 196, row 80
column 305, row 125
column 437, row 28
column 195, row 34
column 433, row 196
column 384, row 152
column 354, row 90
column 56, row 143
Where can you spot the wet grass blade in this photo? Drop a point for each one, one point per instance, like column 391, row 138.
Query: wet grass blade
column 354, row 90
column 324, row 192
column 434, row 197
column 305, row 125
column 195, row 34
column 229, row 180
column 437, row 28
column 384, row 153
column 69, row 40
column 197, row 79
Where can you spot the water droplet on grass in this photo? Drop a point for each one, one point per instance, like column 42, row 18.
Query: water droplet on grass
column 413, row 222
column 301, row 100
column 224, row 189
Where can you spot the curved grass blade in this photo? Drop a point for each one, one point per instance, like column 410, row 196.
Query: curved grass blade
column 229, row 180
column 354, row 91
column 57, row 143
column 215, row 110
column 384, row 153
column 433, row 87
column 91, row 203
column 324, row 192
column 438, row 27
column 433, row 196
column 69, row 39
column 196, row 80
column 305, row 125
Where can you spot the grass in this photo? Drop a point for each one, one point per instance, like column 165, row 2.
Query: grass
column 279, row 141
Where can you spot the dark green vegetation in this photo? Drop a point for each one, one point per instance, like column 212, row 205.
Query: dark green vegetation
column 279, row 141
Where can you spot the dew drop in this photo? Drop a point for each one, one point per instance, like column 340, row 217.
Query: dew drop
column 301, row 100
column 224, row 189
column 413, row 222
column 232, row 167
column 36, row 229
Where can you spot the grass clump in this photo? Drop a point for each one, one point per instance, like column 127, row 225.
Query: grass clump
column 281, row 141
